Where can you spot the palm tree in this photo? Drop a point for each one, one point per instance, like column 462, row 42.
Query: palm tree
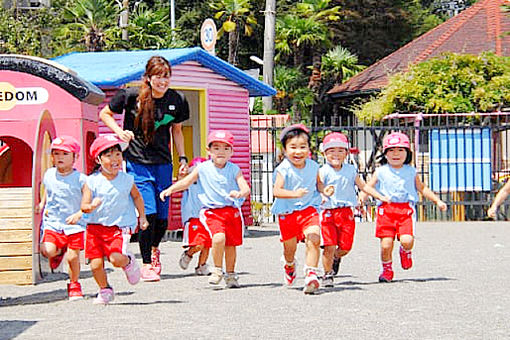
column 339, row 64
column 237, row 14
column 91, row 22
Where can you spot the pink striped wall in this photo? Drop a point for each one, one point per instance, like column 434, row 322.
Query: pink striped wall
column 227, row 109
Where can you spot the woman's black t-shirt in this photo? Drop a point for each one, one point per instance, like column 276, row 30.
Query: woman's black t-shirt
column 171, row 108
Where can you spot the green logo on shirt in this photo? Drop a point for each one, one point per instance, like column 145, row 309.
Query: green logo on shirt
column 166, row 119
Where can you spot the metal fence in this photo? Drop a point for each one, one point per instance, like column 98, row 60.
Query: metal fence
column 464, row 158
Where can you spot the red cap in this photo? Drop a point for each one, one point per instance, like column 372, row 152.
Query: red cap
column 105, row 142
column 196, row 161
column 335, row 140
column 221, row 136
column 396, row 140
column 65, row 143
column 292, row 128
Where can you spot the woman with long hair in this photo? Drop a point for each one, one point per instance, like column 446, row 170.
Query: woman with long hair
column 151, row 113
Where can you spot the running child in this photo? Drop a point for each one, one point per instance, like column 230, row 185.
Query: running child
column 337, row 218
column 63, row 226
column 109, row 199
column 195, row 237
column 500, row 198
column 297, row 187
column 224, row 190
column 398, row 180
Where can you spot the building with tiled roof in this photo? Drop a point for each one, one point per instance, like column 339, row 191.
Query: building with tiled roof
column 477, row 29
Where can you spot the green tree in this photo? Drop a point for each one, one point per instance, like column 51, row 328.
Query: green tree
column 339, row 65
column 453, row 83
column 235, row 14
column 293, row 96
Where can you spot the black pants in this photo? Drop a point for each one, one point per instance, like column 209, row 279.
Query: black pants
column 151, row 237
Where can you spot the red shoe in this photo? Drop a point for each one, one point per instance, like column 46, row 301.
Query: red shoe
column 74, row 291
column 387, row 275
column 290, row 274
column 55, row 261
column 406, row 258
column 311, row 282
column 155, row 262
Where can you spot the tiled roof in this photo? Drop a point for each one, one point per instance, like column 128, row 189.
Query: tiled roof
column 474, row 30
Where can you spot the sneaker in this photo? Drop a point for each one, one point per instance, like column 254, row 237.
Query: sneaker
column 290, row 274
column 203, row 270
column 386, row 276
column 74, row 291
column 311, row 281
column 184, row 260
column 155, row 262
column 336, row 265
column 104, row 296
column 132, row 270
column 231, row 280
column 216, row 276
column 406, row 258
column 57, row 260
column 147, row 274
column 327, row 280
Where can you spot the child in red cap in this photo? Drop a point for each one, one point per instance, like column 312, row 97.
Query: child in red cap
column 62, row 224
column 223, row 192
column 397, row 179
column 109, row 200
column 337, row 218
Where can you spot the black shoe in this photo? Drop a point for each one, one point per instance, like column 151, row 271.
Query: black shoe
column 336, row 265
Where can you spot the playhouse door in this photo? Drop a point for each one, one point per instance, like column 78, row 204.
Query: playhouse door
column 44, row 135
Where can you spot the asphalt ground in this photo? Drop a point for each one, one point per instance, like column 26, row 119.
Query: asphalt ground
column 457, row 289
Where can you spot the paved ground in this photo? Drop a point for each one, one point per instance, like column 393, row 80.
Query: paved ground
column 458, row 289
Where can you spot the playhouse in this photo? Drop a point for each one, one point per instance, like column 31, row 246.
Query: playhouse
column 39, row 99
column 217, row 92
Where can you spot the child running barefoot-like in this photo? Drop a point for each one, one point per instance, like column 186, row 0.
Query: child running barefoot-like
column 109, row 198
column 337, row 218
column 196, row 237
column 297, row 187
column 500, row 198
column 224, row 190
column 63, row 226
column 398, row 180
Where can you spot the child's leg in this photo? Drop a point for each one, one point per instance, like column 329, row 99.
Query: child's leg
column 327, row 258
column 73, row 260
column 204, row 255
column 407, row 242
column 218, row 249
column 312, row 240
column 194, row 249
column 230, row 258
column 289, row 249
column 49, row 249
column 97, row 267
column 118, row 260
column 386, row 249
column 341, row 253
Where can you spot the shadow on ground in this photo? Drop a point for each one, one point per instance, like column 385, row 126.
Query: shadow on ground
column 261, row 233
column 59, row 276
column 13, row 328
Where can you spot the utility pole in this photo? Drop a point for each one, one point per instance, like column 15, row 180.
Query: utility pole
column 269, row 34
column 124, row 16
column 172, row 15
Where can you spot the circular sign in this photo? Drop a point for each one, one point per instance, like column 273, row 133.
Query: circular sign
column 208, row 34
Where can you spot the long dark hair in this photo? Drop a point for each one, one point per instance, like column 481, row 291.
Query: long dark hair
column 156, row 66
column 408, row 160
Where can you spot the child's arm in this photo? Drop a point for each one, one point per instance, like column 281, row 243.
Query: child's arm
column 87, row 203
column 370, row 190
column 138, row 200
column 429, row 194
column 40, row 207
column 280, row 192
column 500, row 197
column 370, row 184
column 181, row 185
column 324, row 190
column 244, row 188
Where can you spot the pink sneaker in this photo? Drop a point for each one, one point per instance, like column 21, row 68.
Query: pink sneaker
column 148, row 274
column 132, row 270
column 406, row 258
column 387, row 274
column 155, row 262
column 104, row 297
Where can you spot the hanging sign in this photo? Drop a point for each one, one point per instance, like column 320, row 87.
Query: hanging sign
column 208, row 35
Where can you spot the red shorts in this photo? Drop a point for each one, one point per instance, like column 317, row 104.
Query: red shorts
column 337, row 227
column 195, row 234
column 102, row 241
column 395, row 219
column 294, row 224
column 61, row 240
column 226, row 220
